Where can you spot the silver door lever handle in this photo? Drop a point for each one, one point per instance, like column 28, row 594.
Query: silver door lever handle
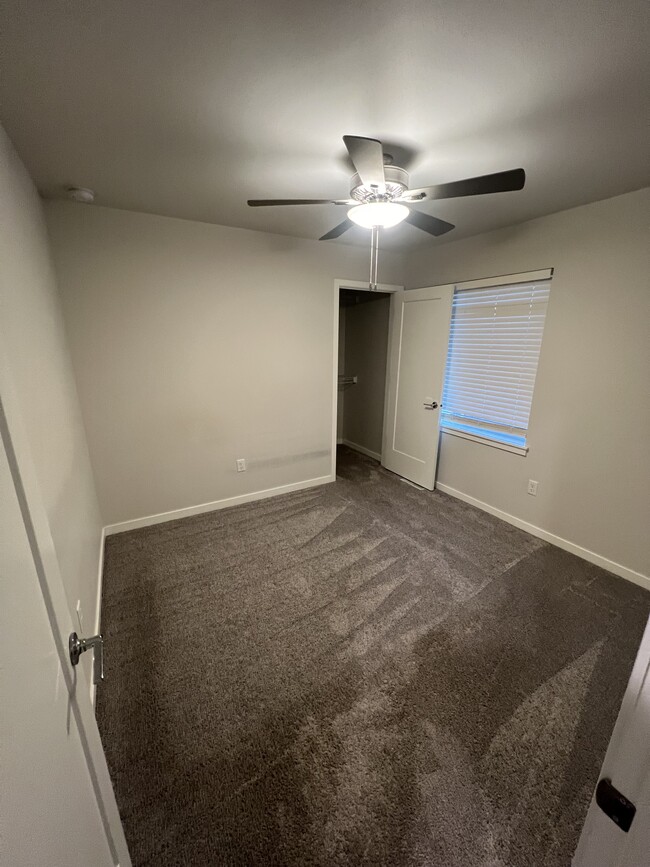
column 78, row 646
column 432, row 405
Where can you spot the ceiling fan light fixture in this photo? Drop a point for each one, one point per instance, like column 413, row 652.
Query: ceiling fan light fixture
column 384, row 214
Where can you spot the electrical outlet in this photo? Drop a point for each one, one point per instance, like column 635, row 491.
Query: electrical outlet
column 532, row 487
column 80, row 616
column 241, row 465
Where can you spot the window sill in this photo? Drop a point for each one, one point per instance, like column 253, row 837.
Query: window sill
column 506, row 447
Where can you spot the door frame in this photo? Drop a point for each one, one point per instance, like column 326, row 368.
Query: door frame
column 46, row 563
column 359, row 286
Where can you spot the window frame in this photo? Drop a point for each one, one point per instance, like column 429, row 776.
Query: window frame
column 486, row 283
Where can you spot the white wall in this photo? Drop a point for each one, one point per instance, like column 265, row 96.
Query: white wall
column 366, row 351
column 195, row 345
column 589, row 429
column 34, row 344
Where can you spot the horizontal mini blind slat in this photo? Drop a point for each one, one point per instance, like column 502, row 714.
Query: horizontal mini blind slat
column 495, row 341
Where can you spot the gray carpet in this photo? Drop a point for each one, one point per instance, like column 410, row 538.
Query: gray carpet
column 358, row 674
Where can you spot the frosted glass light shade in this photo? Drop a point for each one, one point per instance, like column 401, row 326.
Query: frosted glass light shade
column 384, row 214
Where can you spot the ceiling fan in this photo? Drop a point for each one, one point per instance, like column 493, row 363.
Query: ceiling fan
column 380, row 197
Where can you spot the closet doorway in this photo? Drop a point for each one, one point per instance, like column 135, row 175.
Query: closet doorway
column 363, row 339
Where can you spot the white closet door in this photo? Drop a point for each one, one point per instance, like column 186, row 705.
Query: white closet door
column 419, row 335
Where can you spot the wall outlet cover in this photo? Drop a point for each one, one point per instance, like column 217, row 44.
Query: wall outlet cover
column 241, row 465
column 532, row 487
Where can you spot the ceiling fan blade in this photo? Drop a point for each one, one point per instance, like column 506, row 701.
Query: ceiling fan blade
column 337, row 230
column 367, row 156
column 500, row 182
column 429, row 224
column 261, row 203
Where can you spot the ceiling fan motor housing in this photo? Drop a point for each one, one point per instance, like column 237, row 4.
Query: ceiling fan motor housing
column 397, row 182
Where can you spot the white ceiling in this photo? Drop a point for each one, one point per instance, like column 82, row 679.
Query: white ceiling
column 189, row 107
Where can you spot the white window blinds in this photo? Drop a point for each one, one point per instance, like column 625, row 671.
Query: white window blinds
column 494, row 345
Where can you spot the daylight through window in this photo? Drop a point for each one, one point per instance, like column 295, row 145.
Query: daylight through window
column 494, row 346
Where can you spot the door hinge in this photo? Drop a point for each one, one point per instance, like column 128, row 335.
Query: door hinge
column 613, row 804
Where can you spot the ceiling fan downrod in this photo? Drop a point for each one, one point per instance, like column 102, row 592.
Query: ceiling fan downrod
column 374, row 258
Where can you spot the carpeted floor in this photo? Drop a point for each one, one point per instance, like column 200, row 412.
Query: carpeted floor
column 358, row 674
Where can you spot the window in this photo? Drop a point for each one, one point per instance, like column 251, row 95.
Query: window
column 494, row 345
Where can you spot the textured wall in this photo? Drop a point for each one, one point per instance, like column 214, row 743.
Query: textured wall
column 195, row 345
column 589, row 445
column 33, row 337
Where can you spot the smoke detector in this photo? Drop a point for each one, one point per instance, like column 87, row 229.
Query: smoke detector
column 81, row 194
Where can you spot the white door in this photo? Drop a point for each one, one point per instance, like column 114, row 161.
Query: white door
column 56, row 802
column 419, row 335
column 627, row 767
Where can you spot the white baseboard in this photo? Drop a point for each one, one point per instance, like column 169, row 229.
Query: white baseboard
column 226, row 503
column 585, row 553
column 362, row 449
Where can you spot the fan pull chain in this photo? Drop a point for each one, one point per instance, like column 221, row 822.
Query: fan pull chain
column 374, row 257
